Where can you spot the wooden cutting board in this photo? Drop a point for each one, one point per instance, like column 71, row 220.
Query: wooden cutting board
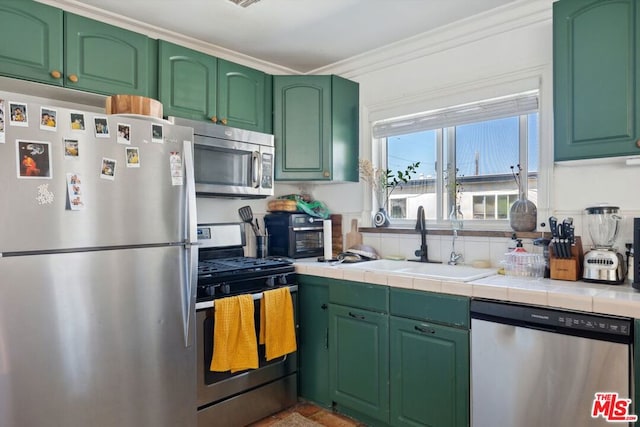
column 353, row 237
column 133, row 104
column 336, row 235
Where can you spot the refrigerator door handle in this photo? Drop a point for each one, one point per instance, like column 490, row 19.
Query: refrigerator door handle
column 191, row 248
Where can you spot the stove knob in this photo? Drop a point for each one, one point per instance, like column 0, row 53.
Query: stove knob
column 282, row 280
column 271, row 281
column 225, row 288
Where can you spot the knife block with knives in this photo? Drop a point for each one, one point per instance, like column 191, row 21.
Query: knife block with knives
column 565, row 260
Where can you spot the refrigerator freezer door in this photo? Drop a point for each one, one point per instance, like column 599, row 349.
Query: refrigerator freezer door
column 131, row 204
column 95, row 339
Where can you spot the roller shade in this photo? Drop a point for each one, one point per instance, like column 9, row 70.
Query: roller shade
column 497, row 108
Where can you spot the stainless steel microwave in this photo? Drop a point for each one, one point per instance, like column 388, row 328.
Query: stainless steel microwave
column 231, row 162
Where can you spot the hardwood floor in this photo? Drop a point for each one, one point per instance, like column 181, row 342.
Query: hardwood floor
column 315, row 413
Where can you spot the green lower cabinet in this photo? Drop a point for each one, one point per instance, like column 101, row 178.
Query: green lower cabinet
column 429, row 374
column 313, row 346
column 359, row 361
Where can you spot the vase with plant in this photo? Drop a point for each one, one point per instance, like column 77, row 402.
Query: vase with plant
column 454, row 190
column 383, row 182
column 523, row 213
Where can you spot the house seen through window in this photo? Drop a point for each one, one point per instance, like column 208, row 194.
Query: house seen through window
column 468, row 155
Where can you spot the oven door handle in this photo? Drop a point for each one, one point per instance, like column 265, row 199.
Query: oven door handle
column 256, row 296
column 307, row 229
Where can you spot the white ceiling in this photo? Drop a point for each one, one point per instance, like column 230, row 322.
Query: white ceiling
column 301, row 35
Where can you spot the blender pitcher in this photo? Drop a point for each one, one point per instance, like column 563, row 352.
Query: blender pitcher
column 603, row 263
column 603, row 223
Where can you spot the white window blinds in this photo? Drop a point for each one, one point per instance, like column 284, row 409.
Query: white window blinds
column 497, row 108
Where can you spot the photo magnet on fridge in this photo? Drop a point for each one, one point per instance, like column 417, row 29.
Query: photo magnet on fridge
column 124, row 133
column 77, row 121
column 71, row 148
column 108, row 169
column 133, row 157
column 74, row 191
column 156, row 133
column 33, row 159
column 48, row 119
column 18, row 114
column 101, row 127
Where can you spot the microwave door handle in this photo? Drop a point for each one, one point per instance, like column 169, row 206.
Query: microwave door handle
column 256, row 168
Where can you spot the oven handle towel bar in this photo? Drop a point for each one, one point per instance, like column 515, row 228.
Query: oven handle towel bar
column 256, row 296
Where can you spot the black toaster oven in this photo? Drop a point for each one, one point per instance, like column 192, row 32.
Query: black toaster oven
column 294, row 235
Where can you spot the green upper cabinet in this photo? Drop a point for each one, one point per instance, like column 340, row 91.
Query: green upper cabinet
column 316, row 128
column 187, row 82
column 198, row 86
column 32, row 48
column 47, row 45
column 596, row 77
column 242, row 97
column 105, row 59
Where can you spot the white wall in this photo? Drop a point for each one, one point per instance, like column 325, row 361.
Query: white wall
column 489, row 55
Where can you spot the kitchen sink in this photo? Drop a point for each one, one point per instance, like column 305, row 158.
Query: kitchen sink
column 459, row 273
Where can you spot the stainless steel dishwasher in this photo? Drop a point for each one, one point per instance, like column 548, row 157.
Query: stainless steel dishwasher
column 533, row 366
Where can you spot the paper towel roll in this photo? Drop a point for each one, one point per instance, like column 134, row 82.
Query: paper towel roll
column 326, row 229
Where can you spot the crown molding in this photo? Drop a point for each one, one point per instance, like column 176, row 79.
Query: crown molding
column 512, row 16
column 154, row 32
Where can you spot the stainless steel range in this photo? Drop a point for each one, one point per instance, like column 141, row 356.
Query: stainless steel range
column 240, row 398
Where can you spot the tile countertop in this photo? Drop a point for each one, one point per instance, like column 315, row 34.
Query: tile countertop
column 619, row 300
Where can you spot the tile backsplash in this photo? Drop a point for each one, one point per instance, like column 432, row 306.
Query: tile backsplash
column 490, row 249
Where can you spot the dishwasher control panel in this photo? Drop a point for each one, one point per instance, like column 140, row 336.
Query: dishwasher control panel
column 551, row 319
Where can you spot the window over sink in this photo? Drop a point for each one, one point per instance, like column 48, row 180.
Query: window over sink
column 469, row 155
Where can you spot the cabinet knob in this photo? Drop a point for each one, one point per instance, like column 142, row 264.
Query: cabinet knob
column 326, row 174
column 223, row 121
column 324, row 306
column 73, row 78
column 214, row 119
column 55, row 74
column 638, row 143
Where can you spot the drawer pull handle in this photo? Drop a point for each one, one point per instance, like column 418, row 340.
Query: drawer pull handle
column 425, row 329
column 356, row 316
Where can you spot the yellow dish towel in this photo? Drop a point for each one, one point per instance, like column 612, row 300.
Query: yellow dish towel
column 277, row 329
column 234, row 335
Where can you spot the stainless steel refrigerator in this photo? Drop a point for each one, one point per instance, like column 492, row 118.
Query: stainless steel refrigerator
column 97, row 268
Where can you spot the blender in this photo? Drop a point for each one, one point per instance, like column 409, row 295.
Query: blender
column 603, row 263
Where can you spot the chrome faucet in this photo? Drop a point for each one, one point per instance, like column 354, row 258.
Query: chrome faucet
column 421, row 227
column 454, row 257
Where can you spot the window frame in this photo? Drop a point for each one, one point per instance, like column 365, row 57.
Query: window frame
column 380, row 146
